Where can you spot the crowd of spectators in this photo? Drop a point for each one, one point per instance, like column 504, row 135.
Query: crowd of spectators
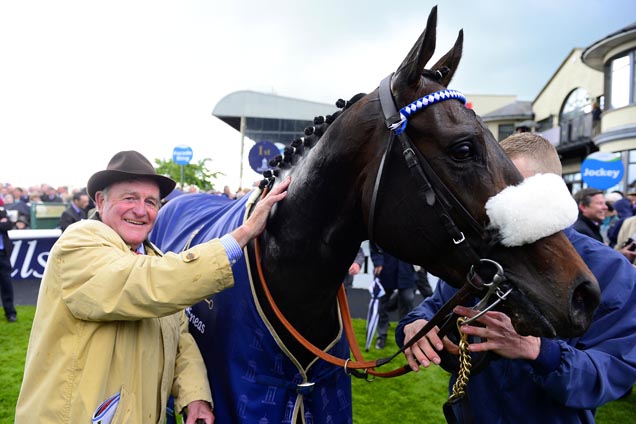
column 18, row 201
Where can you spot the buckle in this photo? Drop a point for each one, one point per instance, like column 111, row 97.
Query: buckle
column 305, row 388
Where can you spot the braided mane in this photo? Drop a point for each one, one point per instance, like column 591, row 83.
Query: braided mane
column 296, row 149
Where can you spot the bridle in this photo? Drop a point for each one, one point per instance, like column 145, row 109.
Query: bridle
column 436, row 195
column 440, row 198
column 430, row 187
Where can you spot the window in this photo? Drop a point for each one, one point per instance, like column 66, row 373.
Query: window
column 573, row 181
column 575, row 119
column 545, row 124
column 620, row 78
column 505, row 130
column 578, row 103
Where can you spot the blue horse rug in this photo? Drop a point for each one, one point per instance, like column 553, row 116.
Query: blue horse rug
column 253, row 376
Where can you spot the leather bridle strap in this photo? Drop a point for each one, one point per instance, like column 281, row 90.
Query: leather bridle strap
column 345, row 363
column 429, row 184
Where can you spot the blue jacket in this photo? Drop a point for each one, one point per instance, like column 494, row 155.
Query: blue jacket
column 570, row 378
column 395, row 274
column 624, row 210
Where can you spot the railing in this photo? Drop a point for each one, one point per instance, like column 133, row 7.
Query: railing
column 577, row 130
column 46, row 215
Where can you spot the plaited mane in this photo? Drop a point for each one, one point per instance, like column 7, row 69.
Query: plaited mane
column 297, row 148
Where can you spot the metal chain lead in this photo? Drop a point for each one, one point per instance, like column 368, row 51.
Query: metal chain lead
column 464, row 364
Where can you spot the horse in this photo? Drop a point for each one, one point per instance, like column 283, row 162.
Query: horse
column 415, row 183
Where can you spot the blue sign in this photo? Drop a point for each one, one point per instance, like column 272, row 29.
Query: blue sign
column 182, row 155
column 260, row 155
column 602, row 170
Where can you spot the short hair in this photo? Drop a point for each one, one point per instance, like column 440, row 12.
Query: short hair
column 78, row 196
column 584, row 196
column 542, row 155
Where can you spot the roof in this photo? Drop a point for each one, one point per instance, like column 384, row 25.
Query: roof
column 519, row 110
column 594, row 55
column 252, row 104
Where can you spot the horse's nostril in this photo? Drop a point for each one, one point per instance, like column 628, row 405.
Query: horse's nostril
column 584, row 301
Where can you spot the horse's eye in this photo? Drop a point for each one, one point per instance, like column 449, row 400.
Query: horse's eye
column 461, row 151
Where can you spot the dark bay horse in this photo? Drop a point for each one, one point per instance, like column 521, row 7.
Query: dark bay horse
column 422, row 199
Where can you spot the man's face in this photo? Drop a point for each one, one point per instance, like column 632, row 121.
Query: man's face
column 130, row 209
column 596, row 210
column 82, row 203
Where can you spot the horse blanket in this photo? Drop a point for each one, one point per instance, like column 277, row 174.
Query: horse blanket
column 253, row 376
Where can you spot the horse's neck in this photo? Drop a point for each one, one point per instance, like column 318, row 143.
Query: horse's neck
column 319, row 221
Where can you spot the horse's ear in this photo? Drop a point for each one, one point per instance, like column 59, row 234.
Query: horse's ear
column 450, row 60
column 413, row 65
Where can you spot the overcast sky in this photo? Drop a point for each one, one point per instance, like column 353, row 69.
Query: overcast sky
column 82, row 80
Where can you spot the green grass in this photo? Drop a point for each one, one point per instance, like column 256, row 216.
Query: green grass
column 413, row 397
column 14, row 339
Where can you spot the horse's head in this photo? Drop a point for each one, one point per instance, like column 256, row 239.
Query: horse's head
column 446, row 228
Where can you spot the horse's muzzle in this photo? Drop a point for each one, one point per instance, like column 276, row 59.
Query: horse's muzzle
column 584, row 299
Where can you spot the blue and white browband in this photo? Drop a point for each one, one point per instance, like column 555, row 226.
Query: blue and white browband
column 419, row 104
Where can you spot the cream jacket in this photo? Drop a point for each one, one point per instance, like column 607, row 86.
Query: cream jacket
column 108, row 320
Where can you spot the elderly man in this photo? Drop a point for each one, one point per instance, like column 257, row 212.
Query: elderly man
column 537, row 379
column 109, row 339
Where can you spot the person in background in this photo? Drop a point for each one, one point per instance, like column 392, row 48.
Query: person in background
column 536, row 379
column 49, row 194
column 596, row 118
column 394, row 275
column 21, row 224
column 227, row 192
column 631, row 195
column 21, row 203
column 626, row 238
column 35, row 198
column 623, row 208
column 110, row 335
column 592, row 211
column 422, row 283
column 610, row 216
column 354, row 270
column 76, row 211
column 6, row 284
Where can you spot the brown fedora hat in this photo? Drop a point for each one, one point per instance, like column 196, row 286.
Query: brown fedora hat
column 128, row 165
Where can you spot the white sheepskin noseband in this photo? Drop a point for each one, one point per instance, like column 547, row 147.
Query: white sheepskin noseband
column 538, row 207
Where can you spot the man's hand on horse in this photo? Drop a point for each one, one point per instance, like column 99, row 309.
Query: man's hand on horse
column 500, row 336
column 424, row 351
column 255, row 224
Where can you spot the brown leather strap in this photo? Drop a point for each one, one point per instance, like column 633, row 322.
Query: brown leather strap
column 345, row 363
